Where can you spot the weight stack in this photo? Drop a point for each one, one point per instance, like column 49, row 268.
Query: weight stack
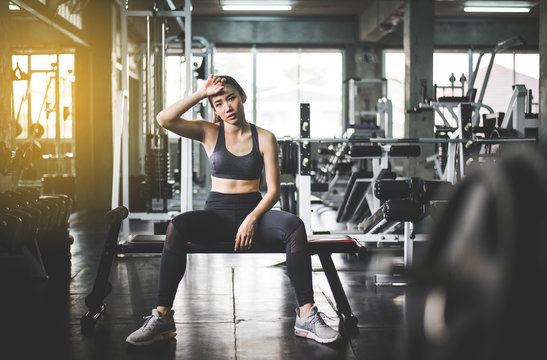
column 156, row 184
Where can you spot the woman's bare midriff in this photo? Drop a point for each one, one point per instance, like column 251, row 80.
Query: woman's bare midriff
column 231, row 186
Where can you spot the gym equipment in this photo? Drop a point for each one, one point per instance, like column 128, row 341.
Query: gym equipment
column 288, row 154
column 45, row 230
column 322, row 245
column 102, row 287
column 153, row 75
column 404, row 200
column 11, row 231
column 450, row 102
column 406, row 205
column 356, row 187
column 156, row 185
column 368, row 141
column 478, row 289
column 380, row 119
column 452, row 88
column 287, row 200
column 21, row 258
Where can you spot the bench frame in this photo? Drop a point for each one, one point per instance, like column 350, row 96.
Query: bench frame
column 323, row 246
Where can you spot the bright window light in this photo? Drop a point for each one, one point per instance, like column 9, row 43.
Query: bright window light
column 492, row 9
column 256, row 7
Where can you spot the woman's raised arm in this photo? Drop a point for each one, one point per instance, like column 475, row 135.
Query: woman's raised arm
column 171, row 119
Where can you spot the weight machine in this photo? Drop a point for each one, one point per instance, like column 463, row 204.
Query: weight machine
column 478, row 144
column 385, row 210
column 155, row 81
column 449, row 103
column 383, row 112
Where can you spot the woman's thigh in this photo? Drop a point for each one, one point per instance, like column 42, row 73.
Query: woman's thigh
column 205, row 227
column 276, row 226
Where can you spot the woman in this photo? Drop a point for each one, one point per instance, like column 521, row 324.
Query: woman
column 238, row 151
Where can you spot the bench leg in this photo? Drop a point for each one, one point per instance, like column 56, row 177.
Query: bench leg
column 342, row 304
column 101, row 287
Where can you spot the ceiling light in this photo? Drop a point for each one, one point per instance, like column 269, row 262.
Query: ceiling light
column 494, row 9
column 12, row 6
column 498, row 6
column 256, row 7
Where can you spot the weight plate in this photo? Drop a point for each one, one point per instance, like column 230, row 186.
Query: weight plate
column 284, row 198
column 486, row 258
column 292, row 198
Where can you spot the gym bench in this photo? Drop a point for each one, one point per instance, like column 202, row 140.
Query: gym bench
column 322, row 245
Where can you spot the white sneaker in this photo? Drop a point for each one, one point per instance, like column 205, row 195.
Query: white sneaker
column 313, row 327
column 155, row 328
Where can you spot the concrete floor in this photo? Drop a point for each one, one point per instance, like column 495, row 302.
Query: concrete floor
column 227, row 307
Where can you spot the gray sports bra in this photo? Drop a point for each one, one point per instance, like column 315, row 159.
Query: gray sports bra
column 224, row 164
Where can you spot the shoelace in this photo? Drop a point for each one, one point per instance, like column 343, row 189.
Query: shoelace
column 320, row 318
column 148, row 324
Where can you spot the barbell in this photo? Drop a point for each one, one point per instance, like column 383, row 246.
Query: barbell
column 439, row 140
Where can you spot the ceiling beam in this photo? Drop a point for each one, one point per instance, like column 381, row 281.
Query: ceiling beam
column 46, row 15
column 379, row 19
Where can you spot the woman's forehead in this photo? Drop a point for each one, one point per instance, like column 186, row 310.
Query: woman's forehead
column 228, row 89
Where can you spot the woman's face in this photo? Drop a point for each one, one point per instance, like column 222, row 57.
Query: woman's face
column 228, row 104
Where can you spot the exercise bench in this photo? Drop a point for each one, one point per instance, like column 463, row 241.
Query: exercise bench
column 321, row 245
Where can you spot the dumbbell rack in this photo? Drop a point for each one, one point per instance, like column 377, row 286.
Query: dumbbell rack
column 33, row 228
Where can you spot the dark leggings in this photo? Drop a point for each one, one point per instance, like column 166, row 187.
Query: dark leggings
column 219, row 222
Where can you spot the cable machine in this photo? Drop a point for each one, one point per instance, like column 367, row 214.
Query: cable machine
column 157, row 186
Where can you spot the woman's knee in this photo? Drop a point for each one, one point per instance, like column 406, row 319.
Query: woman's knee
column 182, row 222
column 295, row 231
column 174, row 241
column 294, row 224
column 180, row 227
column 286, row 220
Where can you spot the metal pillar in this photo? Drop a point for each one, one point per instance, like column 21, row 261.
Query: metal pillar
column 418, row 49
column 186, row 144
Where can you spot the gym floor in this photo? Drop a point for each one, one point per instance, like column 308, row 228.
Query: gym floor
column 227, row 307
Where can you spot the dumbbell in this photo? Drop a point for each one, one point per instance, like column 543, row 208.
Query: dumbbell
column 28, row 199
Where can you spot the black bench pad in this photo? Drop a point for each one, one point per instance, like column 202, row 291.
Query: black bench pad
column 328, row 243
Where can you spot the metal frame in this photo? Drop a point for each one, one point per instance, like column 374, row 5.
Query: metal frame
column 515, row 116
column 384, row 109
column 449, row 106
column 186, row 158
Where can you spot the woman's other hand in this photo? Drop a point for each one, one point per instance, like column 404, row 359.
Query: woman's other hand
column 245, row 234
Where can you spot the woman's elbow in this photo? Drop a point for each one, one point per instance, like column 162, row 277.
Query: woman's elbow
column 276, row 194
column 160, row 119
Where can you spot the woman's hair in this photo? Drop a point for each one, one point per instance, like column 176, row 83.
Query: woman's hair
column 228, row 80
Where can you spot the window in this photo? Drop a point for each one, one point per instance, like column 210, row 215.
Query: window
column 508, row 69
column 284, row 79
column 394, row 72
column 42, row 104
column 34, row 94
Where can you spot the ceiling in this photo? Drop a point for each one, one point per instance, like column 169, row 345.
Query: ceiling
column 443, row 8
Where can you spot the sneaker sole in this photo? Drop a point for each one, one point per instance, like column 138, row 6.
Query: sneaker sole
column 160, row 337
column 309, row 335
